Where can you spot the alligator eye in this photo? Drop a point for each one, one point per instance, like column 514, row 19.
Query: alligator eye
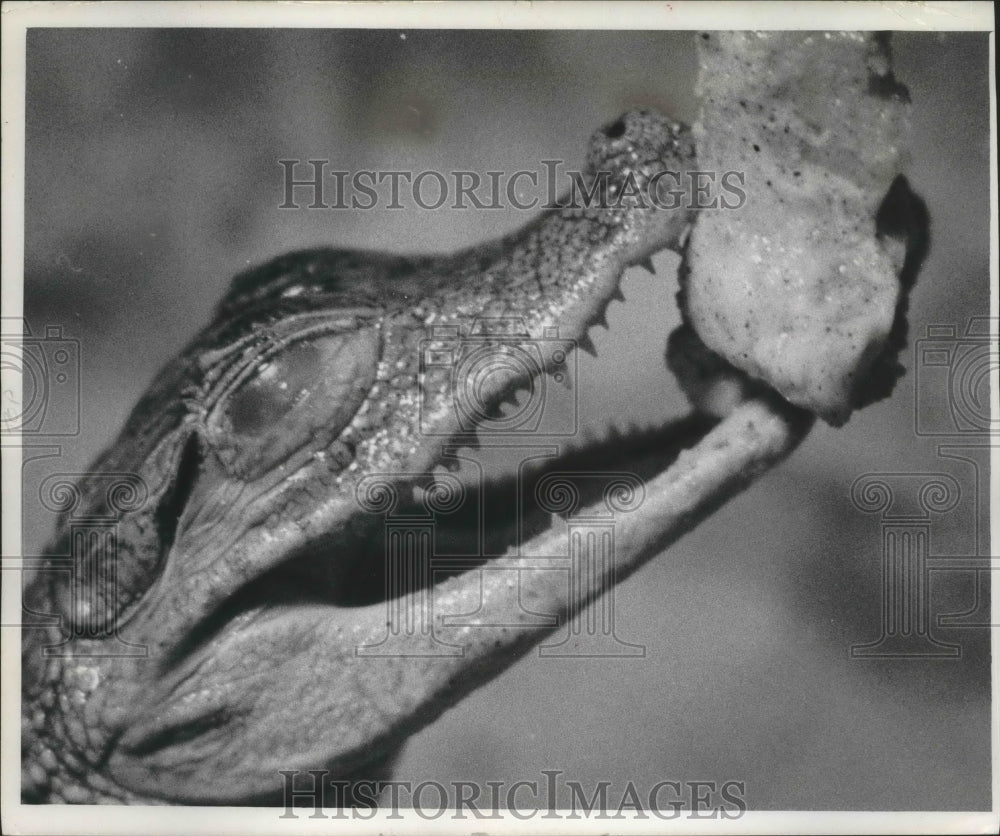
column 279, row 385
column 301, row 395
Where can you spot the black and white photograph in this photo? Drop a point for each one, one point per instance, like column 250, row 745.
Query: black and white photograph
column 499, row 417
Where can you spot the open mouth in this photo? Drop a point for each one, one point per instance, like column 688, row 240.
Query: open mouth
column 488, row 521
column 493, row 505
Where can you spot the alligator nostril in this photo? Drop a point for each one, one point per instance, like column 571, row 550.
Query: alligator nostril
column 615, row 130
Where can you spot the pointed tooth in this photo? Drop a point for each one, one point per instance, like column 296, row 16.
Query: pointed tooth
column 585, row 343
column 647, row 263
column 617, row 294
column 602, row 319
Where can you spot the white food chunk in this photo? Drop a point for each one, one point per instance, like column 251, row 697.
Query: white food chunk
column 794, row 287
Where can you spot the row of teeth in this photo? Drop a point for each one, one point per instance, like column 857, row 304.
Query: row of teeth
column 470, row 476
column 585, row 343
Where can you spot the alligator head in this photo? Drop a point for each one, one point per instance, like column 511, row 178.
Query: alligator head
column 220, row 644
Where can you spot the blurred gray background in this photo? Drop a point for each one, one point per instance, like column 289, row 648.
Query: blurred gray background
column 152, row 178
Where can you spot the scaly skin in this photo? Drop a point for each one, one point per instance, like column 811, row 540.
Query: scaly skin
column 251, row 445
